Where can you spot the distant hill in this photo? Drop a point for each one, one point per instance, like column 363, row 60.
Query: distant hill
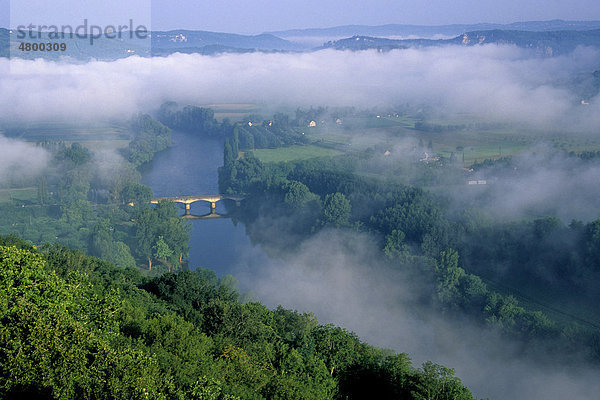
column 4, row 43
column 203, row 42
column 159, row 44
column 398, row 30
column 357, row 43
column 545, row 38
column 200, row 39
column 547, row 43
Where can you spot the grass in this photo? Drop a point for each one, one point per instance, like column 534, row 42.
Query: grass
column 559, row 306
column 97, row 136
column 380, row 123
column 293, row 153
column 234, row 112
column 22, row 195
column 481, row 152
column 43, row 131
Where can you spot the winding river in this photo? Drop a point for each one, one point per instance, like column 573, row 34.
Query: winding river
column 189, row 167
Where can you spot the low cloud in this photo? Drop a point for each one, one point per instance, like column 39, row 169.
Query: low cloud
column 537, row 183
column 20, row 161
column 337, row 276
column 496, row 83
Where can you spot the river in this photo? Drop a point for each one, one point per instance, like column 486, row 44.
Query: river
column 189, row 167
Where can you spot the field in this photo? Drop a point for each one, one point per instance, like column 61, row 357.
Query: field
column 473, row 143
column 293, row 153
column 24, row 195
column 52, row 131
column 234, row 112
column 574, row 310
column 105, row 136
column 481, row 144
column 477, row 145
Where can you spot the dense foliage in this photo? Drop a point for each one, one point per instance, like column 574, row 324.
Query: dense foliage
column 79, row 327
column 190, row 118
column 252, row 132
column 150, row 137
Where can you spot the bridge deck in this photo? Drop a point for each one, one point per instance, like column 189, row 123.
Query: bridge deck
column 211, row 198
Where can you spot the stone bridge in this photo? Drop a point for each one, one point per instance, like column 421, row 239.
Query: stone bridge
column 213, row 199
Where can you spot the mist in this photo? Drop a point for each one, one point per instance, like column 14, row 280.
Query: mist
column 339, row 276
column 490, row 82
column 20, row 161
column 537, row 183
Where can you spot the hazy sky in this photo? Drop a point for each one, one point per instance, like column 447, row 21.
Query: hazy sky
column 242, row 16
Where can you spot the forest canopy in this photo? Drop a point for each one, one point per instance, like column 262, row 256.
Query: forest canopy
column 75, row 326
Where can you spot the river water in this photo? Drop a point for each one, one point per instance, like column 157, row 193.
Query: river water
column 189, row 167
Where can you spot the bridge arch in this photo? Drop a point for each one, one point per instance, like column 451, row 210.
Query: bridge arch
column 213, row 199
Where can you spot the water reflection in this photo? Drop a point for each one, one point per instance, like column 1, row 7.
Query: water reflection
column 217, row 241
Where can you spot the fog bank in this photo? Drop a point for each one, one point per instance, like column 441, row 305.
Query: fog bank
column 336, row 275
column 496, row 83
column 19, row 160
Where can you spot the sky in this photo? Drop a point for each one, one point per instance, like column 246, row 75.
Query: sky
column 240, row 16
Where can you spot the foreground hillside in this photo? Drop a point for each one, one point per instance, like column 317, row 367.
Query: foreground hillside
column 74, row 326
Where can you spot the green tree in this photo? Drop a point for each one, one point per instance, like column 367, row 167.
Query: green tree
column 76, row 154
column 246, row 139
column 137, row 194
column 58, row 337
column 210, row 389
column 503, row 311
column 394, row 244
column 336, row 210
column 449, row 277
column 162, row 220
column 121, row 255
column 146, row 226
column 297, row 194
column 281, row 121
column 102, row 244
column 42, row 190
column 235, row 142
column 439, row 383
column 227, row 155
column 77, row 212
column 592, row 244
column 162, row 251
